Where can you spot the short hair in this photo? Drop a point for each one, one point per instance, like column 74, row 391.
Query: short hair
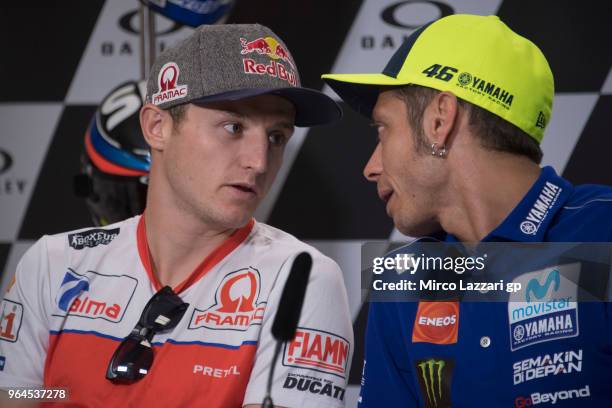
column 492, row 131
column 177, row 113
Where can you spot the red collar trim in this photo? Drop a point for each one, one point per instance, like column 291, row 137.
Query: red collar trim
column 227, row 246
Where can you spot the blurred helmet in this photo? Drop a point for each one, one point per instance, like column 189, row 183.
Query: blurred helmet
column 192, row 12
column 115, row 161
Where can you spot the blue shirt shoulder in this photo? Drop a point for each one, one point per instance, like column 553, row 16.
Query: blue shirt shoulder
column 555, row 211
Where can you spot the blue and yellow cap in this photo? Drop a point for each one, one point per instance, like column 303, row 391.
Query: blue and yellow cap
column 477, row 58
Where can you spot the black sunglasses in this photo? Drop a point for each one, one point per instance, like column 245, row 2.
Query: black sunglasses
column 134, row 356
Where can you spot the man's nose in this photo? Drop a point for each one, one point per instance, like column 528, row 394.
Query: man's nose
column 255, row 151
column 373, row 168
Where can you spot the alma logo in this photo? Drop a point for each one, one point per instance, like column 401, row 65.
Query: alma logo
column 317, row 350
column 436, row 322
column 95, row 295
column 236, row 303
column 168, row 88
column 71, row 287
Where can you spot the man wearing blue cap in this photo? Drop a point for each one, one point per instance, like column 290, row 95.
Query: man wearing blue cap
column 460, row 110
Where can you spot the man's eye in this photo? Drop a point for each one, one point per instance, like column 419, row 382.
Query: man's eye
column 277, row 139
column 377, row 126
column 233, row 128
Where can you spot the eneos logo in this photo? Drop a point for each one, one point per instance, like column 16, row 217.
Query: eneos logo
column 168, row 88
column 317, row 350
column 236, row 303
column 436, row 322
column 94, row 295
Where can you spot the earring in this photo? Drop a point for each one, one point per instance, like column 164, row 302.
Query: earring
column 440, row 153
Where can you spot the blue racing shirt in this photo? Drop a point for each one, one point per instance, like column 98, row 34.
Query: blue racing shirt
column 503, row 354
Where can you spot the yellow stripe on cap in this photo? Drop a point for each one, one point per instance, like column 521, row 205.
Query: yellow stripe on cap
column 477, row 58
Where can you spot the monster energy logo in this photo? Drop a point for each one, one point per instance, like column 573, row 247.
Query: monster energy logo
column 434, row 378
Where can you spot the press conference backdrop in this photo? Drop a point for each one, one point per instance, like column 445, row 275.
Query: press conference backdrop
column 61, row 58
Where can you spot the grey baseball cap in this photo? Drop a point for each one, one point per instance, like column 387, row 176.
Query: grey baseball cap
column 232, row 62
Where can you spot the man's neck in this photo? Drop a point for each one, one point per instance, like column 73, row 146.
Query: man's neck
column 485, row 190
column 178, row 240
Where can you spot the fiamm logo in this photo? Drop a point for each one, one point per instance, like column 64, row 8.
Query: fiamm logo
column 318, row 350
column 435, row 376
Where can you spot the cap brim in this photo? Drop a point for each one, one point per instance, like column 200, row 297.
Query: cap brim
column 312, row 107
column 360, row 91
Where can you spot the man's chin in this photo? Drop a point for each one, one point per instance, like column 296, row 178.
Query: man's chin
column 227, row 220
column 411, row 229
column 238, row 219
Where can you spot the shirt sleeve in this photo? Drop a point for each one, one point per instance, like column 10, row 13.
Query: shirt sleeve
column 24, row 329
column 387, row 377
column 312, row 370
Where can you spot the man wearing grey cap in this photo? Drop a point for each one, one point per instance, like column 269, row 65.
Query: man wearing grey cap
column 175, row 307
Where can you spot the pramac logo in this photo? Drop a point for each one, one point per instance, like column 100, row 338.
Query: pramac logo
column 236, row 303
column 168, row 88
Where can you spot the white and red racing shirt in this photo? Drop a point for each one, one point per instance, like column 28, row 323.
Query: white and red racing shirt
column 78, row 294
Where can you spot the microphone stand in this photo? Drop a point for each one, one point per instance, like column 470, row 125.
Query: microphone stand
column 267, row 402
column 288, row 312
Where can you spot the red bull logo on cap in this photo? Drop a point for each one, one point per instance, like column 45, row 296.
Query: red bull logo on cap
column 269, row 46
column 168, row 88
column 259, row 45
column 276, row 52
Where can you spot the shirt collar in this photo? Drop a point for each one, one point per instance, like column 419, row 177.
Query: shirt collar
column 531, row 218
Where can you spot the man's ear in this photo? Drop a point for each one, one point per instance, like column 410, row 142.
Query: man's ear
column 440, row 117
column 154, row 124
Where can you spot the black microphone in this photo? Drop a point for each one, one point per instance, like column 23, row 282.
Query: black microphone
column 288, row 312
